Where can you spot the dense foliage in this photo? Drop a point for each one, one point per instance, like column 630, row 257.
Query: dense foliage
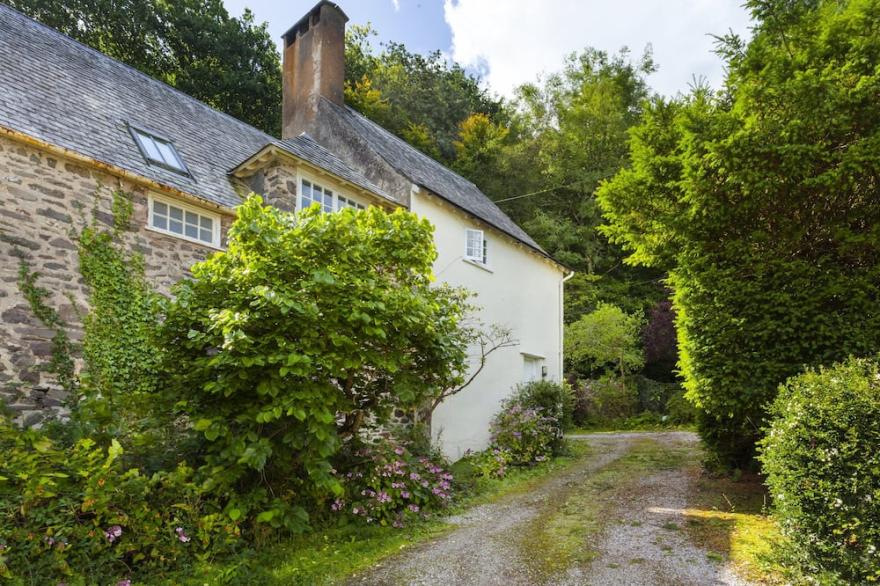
column 303, row 328
column 762, row 201
column 522, row 435
column 607, row 339
column 76, row 514
column 194, row 45
column 388, row 485
column 823, row 470
column 421, row 98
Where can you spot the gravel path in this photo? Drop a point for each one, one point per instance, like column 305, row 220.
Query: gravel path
column 640, row 545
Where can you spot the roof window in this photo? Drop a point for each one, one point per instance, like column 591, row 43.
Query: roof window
column 158, row 151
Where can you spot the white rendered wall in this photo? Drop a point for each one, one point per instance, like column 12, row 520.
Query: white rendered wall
column 521, row 291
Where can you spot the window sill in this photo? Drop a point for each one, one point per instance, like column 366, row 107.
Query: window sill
column 478, row 264
column 182, row 237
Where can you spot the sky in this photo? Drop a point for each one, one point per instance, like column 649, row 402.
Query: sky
column 511, row 42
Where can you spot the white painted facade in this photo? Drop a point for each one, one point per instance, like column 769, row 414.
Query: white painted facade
column 517, row 288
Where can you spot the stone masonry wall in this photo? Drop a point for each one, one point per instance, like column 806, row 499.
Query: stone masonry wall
column 39, row 199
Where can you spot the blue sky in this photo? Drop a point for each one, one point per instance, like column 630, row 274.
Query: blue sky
column 515, row 41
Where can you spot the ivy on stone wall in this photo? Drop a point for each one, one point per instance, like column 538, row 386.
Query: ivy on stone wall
column 119, row 379
column 61, row 363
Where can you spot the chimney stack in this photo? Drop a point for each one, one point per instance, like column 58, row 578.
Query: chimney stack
column 313, row 66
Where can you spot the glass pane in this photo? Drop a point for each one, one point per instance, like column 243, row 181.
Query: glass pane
column 192, row 231
column 207, row 235
column 207, row 224
column 160, row 222
column 176, row 213
column 160, row 208
column 168, row 154
column 149, row 145
column 192, row 218
column 175, row 226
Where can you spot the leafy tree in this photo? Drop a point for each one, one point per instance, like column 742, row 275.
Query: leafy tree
column 605, row 337
column 763, row 203
column 301, row 330
column 427, row 96
column 194, row 45
column 570, row 133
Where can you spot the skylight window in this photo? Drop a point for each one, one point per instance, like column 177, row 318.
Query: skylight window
column 158, row 151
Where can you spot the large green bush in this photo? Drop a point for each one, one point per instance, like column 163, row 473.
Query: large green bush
column 75, row 514
column 305, row 327
column 522, row 435
column 554, row 399
column 762, row 202
column 822, row 460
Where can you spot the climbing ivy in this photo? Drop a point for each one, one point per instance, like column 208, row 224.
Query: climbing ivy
column 119, row 379
column 61, row 364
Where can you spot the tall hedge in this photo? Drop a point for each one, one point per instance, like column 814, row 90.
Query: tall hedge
column 763, row 203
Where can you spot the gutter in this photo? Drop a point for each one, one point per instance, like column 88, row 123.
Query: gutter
column 562, row 323
column 111, row 169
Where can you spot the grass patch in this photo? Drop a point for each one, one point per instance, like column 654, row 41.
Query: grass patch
column 729, row 518
column 330, row 555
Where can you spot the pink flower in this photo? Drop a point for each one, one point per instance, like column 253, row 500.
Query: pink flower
column 181, row 535
column 413, row 507
column 397, row 524
column 383, row 497
column 337, row 505
column 405, row 494
column 398, row 451
column 125, row 582
column 414, row 476
column 113, row 533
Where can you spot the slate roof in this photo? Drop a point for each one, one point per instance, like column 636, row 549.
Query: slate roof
column 307, row 148
column 60, row 91
column 431, row 175
column 67, row 94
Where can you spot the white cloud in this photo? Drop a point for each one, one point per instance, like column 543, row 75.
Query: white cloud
column 396, row 4
column 519, row 39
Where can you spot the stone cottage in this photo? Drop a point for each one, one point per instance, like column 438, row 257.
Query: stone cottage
column 73, row 119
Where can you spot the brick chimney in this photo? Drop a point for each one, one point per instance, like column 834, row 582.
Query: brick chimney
column 313, row 66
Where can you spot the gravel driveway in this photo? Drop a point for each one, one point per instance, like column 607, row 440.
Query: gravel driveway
column 638, row 541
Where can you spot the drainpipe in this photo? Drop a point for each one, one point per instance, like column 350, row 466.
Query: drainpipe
column 561, row 326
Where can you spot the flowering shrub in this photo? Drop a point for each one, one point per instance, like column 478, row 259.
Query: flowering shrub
column 823, row 470
column 524, row 434
column 389, row 486
column 68, row 514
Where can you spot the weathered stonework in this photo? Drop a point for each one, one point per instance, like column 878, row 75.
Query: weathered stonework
column 279, row 185
column 44, row 200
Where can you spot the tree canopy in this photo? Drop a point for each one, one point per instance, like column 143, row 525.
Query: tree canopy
column 229, row 63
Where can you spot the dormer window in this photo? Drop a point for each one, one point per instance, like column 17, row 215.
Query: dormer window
column 476, row 247
column 158, row 151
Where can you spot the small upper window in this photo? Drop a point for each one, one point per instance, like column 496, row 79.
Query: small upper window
column 312, row 193
column 158, row 151
column 476, row 247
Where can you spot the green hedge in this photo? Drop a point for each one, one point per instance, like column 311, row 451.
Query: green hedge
column 822, row 460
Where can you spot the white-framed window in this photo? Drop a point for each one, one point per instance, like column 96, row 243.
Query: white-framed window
column 476, row 248
column 158, row 150
column 343, row 202
column 330, row 201
column 533, row 368
column 184, row 221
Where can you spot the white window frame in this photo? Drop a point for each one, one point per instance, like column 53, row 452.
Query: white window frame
column 335, row 195
column 141, row 135
column 534, row 363
column 482, row 256
column 215, row 220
